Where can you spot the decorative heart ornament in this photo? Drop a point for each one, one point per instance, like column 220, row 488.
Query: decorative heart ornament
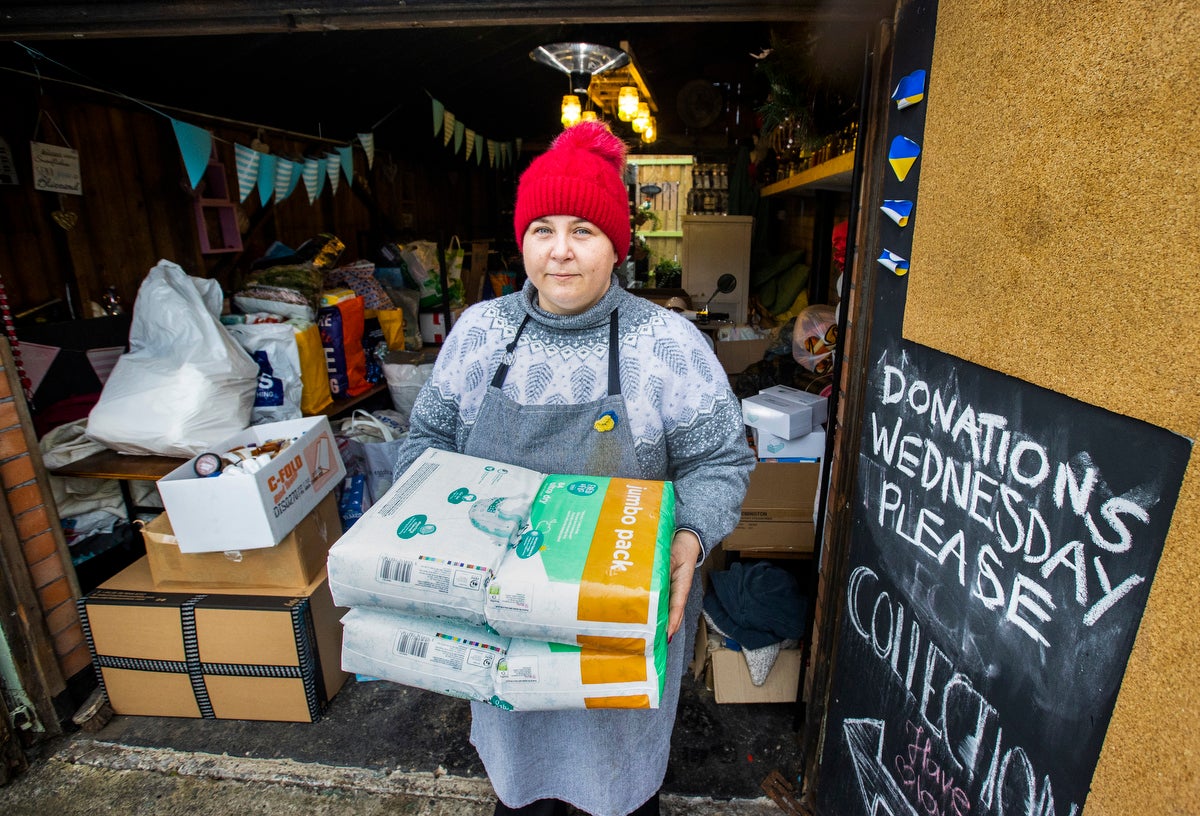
column 66, row 220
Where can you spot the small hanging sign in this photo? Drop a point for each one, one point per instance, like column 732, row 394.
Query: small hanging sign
column 56, row 169
column 8, row 170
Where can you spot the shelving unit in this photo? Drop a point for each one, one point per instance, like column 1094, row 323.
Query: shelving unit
column 216, row 215
column 834, row 174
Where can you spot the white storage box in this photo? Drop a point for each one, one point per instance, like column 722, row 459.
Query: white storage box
column 807, row 448
column 239, row 511
column 819, row 404
column 776, row 415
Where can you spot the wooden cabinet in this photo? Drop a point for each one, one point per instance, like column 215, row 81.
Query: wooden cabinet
column 714, row 245
column 216, row 214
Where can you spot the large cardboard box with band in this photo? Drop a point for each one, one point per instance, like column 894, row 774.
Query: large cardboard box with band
column 777, row 514
column 247, row 653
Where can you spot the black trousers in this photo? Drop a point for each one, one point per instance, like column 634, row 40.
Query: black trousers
column 553, row 807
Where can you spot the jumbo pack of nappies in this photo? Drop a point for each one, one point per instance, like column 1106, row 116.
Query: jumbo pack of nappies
column 593, row 566
column 437, row 654
column 536, row 676
column 430, row 545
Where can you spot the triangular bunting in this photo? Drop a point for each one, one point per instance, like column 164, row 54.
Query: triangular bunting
column 196, row 146
column 311, row 178
column 333, row 163
column 518, row 153
column 459, row 130
column 286, row 174
column 479, row 150
column 321, row 173
column 491, row 151
column 470, row 142
column 297, row 171
column 266, row 177
column 447, row 127
column 247, row 159
column 439, row 111
column 347, row 154
column 367, row 140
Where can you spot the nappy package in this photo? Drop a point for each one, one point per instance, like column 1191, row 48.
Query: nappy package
column 465, row 660
column 431, row 544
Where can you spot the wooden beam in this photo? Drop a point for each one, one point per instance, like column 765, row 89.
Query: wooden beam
column 59, row 19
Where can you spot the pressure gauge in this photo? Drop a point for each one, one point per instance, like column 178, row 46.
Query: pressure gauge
column 207, row 464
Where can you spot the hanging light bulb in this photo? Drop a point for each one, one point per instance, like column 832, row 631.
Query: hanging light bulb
column 571, row 110
column 627, row 103
column 642, row 117
column 589, row 116
column 650, row 131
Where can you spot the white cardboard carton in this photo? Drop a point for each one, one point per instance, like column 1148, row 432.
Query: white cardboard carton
column 807, row 448
column 819, row 404
column 777, row 415
column 238, row 511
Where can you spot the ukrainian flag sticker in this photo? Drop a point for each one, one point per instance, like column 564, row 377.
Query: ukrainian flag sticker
column 910, row 90
column 898, row 210
column 902, row 155
column 894, row 262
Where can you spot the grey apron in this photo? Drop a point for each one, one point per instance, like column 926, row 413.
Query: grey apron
column 606, row 762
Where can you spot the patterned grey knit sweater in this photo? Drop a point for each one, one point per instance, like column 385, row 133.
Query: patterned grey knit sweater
column 686, row 423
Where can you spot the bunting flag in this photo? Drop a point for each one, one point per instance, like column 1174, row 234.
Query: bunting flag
column 311, row 174
column 333, row 163
column 266, row 177
column 287, row 173
column 322, row 172
column 902, row 155
column 247, row 159
column 368, row 142
column 910, row 89
column 196, row 146
column 518, row 153
column 459, row 130
column 297, row 169
column 439, row 112
column 491, row 151
column 479, row 150
column 504, row 153
column 347, row 154
column 898, row 210
column 470, row 142
column 447, row 127
column 894, row 262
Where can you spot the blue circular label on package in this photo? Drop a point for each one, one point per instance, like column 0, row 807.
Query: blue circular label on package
column 529, row 543
column 583, row 488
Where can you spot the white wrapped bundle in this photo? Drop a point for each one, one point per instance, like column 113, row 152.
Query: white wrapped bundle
column 431, row 544
column 594, row 564
column 437, row 654
column 536, row 676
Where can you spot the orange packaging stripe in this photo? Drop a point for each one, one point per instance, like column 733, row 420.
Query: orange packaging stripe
column 600, row 665
column 632, row 701
column 615, row 586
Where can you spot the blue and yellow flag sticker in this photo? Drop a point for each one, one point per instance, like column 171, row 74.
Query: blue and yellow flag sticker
column 894, row 262
column 898, row 210
column 910, row 89
column 606, row 422
column 902, row 155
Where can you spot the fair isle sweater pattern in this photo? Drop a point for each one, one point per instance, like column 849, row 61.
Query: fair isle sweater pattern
column 686, row 423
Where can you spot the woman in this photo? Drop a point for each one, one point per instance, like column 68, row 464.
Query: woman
column 575, row 375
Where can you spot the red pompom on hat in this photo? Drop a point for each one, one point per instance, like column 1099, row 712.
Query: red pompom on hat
column 582, row 174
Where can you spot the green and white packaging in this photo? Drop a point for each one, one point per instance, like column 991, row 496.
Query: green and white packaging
column 536, row 676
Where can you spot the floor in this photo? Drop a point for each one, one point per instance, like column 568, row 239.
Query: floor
column 722, row 751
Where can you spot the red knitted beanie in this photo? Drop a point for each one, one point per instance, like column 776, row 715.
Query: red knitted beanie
column 582, row 174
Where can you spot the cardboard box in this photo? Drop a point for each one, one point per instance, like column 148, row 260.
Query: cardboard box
column 782, row 491
column 291, row 564
column 767, row 538
column 818, row 404
column 807, row 448
column 738, row 355
column 776, row 415
column 237, row 511
column 729, row 677
column 229, row 654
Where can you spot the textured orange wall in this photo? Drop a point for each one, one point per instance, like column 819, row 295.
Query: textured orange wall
column 1055, row 240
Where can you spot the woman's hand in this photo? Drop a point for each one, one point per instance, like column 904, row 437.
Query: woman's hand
column 685, row 552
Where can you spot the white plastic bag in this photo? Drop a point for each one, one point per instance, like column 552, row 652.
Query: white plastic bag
column 273, row 347
column 404, row 382
column 185, row 383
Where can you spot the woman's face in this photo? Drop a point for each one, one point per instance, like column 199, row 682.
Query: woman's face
column 569, row 260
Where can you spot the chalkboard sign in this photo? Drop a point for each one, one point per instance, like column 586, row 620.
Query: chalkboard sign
column 1002, row 553
column 1004, row 541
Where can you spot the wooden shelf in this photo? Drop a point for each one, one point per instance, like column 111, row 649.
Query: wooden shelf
column 834, row 174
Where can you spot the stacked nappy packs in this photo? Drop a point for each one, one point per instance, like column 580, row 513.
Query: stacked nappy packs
column 528, row 591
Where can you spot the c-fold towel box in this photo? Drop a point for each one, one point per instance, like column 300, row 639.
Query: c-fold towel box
column 784, row 414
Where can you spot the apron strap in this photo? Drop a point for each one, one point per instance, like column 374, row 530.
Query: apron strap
column 614, row 357
column 502, row 369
